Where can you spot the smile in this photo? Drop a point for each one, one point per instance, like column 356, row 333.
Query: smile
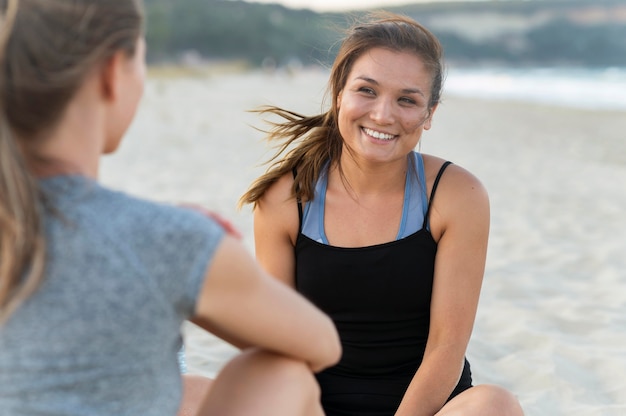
column 378, row 135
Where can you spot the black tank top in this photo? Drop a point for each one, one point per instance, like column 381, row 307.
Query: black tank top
column 379, row 299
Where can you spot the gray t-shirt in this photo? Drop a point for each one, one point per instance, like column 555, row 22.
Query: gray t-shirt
column 101, row 334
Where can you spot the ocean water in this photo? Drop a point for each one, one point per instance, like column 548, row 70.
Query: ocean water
column 595, row 89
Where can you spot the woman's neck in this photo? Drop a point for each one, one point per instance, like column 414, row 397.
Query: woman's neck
column 362, row 178
column 72, row 146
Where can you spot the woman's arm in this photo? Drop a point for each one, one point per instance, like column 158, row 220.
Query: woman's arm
column 460, row 222
column 246, row 306
column 276, row 225
column 242, row 304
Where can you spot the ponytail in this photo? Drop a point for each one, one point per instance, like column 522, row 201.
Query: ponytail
column 22, row 244
column 304, row 145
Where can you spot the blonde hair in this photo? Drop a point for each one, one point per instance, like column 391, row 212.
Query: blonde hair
column 307, row 143
column 47, row 48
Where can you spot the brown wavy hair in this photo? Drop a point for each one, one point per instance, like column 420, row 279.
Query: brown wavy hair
column 47, row 49
column 307, row 143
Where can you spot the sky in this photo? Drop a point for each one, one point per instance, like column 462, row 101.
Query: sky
column 339, row 5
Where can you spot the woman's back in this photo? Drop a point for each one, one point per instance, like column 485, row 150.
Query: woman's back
column 94, row 284
column 101, row 333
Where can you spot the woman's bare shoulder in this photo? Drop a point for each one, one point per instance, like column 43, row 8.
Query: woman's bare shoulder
column 454, row 179
column 460, row 197
column 279, row 193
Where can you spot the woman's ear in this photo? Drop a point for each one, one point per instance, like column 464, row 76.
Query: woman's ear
column 110, row 75
column 429, row 120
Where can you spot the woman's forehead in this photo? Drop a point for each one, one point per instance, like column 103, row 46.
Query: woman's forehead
column 383, row 65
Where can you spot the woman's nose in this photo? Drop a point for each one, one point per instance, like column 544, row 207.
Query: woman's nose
column 382, row 112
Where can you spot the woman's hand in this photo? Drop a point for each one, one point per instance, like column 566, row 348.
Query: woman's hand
column 222, row 221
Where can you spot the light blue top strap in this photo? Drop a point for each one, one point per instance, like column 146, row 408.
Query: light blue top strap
column 415, row 199
column 413, row 210
column 313, row 215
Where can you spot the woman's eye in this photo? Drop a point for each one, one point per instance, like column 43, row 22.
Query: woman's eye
column 367, row 90
column 407, row 100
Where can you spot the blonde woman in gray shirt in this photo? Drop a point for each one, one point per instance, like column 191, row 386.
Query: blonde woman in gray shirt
column 94, row 283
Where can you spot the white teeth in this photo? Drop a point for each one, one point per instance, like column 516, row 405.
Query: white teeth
column 378, row 135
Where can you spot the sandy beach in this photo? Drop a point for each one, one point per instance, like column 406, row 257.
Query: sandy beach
column 551, row 324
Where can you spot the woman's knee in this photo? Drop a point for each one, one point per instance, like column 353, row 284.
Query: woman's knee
column 265, row 383
column 503, row 399
column 287, row 370
column 272, row 368
column 484, row 400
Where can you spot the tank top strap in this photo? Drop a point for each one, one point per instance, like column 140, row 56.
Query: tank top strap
column 299, row 202
column 432, row 192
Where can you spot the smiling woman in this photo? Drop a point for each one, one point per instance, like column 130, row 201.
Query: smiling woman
column 389, row 242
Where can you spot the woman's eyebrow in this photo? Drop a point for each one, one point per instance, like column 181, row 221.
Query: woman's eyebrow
column 413, row 91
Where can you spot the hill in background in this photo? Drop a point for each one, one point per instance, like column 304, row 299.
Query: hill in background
column 588, row 33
